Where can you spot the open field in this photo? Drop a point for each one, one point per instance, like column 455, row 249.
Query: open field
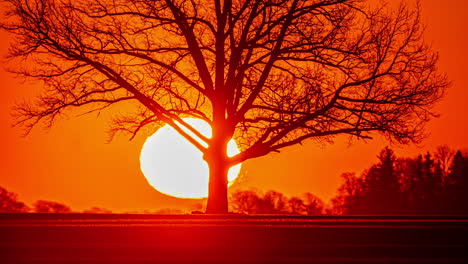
column 81, row 238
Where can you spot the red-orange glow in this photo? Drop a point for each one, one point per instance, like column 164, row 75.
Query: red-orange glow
column 73, row 163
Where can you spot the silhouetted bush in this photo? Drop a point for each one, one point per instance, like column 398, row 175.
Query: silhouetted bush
column 42, row 206
column 272, row 202
column 9, row 203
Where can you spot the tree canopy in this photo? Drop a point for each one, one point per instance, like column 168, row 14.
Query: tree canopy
column 271, row 74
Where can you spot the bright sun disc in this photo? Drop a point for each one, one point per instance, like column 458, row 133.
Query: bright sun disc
column 173, row 166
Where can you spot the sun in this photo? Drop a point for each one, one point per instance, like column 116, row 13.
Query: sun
column 173, row 166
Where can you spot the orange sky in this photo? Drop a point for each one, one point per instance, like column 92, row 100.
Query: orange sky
column 73, row 164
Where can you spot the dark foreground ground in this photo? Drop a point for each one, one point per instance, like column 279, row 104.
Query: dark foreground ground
column 81, row 238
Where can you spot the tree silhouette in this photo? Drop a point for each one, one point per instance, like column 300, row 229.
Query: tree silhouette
column 409, row 186
column 382, row 186
column 348, row 195
column 310, row 205
column 245, row 202
column 378, row 191
column 272, row 202
column 271, row 74
column 457, row 185
column 313, row 205
column 444, row 156
column 9, row 203
column 42, row 206
column 296, row 205
column 410, row 174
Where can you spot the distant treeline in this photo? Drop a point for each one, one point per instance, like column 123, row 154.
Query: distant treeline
column 272, row 202
column 429, row 184
column 434, row 183
column 9, row 204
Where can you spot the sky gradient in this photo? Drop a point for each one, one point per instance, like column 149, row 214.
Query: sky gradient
column 73, row 163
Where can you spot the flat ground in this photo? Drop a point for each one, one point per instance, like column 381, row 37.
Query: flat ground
column 83, row 238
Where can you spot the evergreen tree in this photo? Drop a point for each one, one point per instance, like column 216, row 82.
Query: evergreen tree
column 382, row 193
column 406, row 186
column 457, row 185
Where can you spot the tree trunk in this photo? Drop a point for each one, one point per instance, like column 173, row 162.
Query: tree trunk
column 217, row 187
column 216, row 157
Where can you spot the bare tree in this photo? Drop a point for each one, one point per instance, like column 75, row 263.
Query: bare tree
column 271, row 74
column 444, row 156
